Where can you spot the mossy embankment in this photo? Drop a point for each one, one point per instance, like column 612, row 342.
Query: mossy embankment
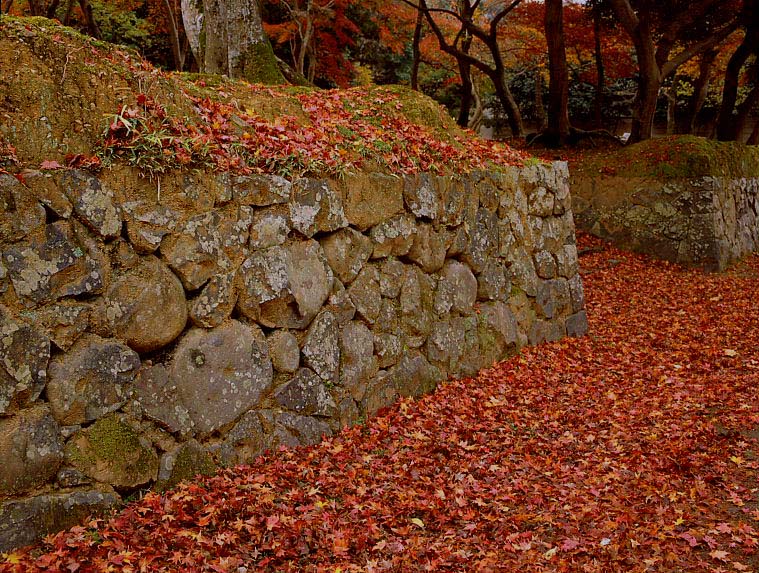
column 673, row 157
column 69, row 99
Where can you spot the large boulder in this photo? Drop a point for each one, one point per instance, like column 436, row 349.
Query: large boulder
column 306, row 394
column 347, row 251
column 372, row 199
column 316, row 207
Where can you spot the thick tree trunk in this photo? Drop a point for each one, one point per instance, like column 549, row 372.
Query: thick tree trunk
column 177, row 53
column 557, row 130
column 509, row 104
column 687, row 123
column 671, row 94
column 649, row 83
column 753, row 139
column 475, row 121
column 227, row 37
column 725, row 121
column 745, row 109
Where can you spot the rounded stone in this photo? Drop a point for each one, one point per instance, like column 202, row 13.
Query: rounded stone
column 221, row 373
column 145, row 307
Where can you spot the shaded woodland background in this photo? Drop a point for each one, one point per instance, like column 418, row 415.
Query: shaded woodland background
column 513, row 68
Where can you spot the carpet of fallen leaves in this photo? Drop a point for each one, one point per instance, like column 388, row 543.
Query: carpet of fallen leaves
column 343, row 131
column 632, row 449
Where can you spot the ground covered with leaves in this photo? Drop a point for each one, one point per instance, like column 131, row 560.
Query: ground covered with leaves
column 632, row 449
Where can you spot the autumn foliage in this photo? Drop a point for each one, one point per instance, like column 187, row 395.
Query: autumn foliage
column 632, row 449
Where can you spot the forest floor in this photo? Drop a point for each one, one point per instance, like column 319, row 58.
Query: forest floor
column 632, row 449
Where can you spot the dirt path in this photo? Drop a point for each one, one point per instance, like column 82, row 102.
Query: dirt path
column 632, row 449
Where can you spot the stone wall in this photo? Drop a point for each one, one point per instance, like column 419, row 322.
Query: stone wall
column 706, row 222
column 152, row 330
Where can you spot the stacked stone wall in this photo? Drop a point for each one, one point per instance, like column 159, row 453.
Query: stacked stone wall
column 154, row 329
column 706, row 222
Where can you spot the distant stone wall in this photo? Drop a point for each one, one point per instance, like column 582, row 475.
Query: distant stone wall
column 706, row 222
column 153, row 330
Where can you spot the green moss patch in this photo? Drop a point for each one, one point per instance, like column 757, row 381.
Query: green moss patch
column 675, row 157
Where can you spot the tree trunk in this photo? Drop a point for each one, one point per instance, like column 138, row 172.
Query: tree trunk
column 671, row 94
column 753, row 139
column 557, row 130
column 176, row 43
column 598, row 103
column 227, row 37
column 509, row 104
column 465, row 72
column 745, row 109
column 725, row 121
column 89, row 19
column 649, row 83
column 687, row 123
column 540, row 110
column 477, row 116
column 417, row 52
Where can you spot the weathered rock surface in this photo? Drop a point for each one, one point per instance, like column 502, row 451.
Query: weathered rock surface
column 145, row 307
column 24, row 356
column 183, row 464
column 347, row 251
column 92, row 202
column 53, row 263
column 148, row 224
column 62, row 322
column 306, row 394
column 215, row 302
column 20, row 213
column 196, row 253
column 357, row 361
column 284, row 351
column 321, row 350
column 284, row 287
column 367, row 288
column 221, row 373
column 459, row 285
column 27, row 520
column 269, row 227
column 316, row 207
column 90, row 380
column 261, row 190
column 393, row 237
column 31, row 450
column 244, row 442
column 156, row 395
column 372, row 198
column 365, row 294
column 110, row 451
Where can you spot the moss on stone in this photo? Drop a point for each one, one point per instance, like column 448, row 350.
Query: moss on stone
column 675, row 157
column 190, row 461
column 110, row 451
